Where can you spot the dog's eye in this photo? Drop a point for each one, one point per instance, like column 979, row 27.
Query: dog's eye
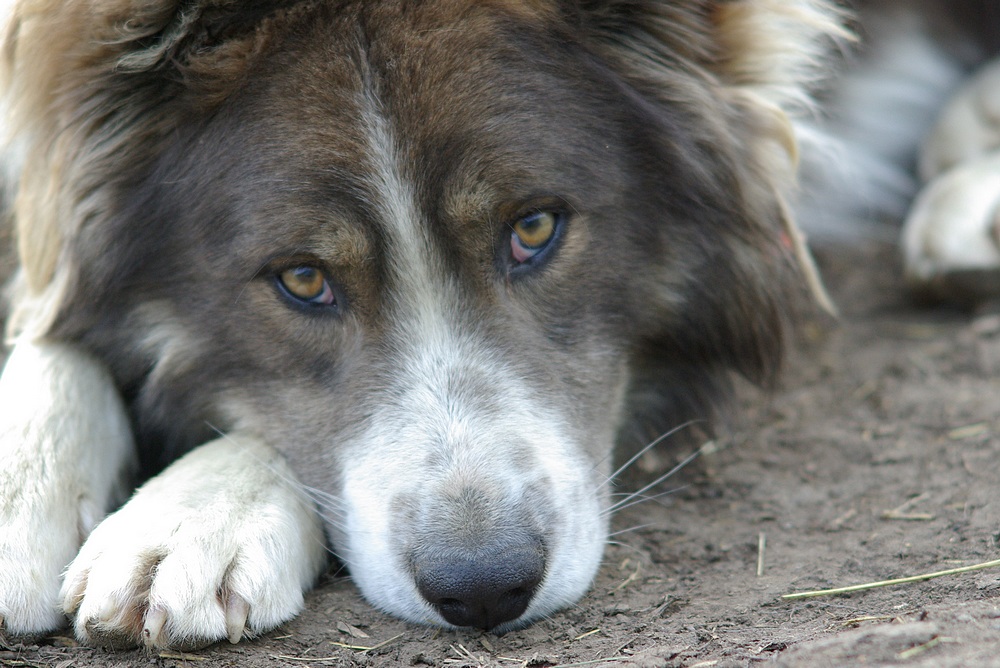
column 532, row 234
column 308, row 285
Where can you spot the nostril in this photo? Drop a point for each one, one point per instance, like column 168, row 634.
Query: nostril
column 482, row 590
column 453, row 610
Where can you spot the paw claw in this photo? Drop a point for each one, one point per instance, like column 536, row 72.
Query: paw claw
column 152, row 629
column 237, row 611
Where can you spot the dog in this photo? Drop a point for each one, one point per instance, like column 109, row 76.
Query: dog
column 383, row 280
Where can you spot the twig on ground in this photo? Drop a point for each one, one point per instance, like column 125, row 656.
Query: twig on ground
column 890, row 583
column 970, row 431
column 182, row 656
column 899, row 512
column 920, row 649
column 594, row 662
column 840, row 521
column 365, row 648
column 761, row 545
column 632, row 576
column 867, row 618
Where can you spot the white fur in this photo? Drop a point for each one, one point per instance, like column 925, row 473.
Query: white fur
column 389, row 461
column 968, row 128
column 65, row 444
column 226, row 518
column 954, row 224
column 222, row 544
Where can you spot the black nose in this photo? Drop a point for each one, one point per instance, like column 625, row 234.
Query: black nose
column 483, row 590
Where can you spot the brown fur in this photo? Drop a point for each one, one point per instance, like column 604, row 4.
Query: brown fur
column 102, row 91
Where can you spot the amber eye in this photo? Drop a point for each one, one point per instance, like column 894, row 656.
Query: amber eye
column 532, row 234
column 308, row 285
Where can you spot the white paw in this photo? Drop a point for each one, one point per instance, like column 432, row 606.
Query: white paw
column 951, row 239
column 65, row 445
column 220, row 545
column 969, row 126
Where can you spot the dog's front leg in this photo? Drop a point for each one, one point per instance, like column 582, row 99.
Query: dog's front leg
column 951, row 239
column 65, row 451
column 222, row 544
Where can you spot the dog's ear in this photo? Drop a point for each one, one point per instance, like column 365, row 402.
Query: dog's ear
column 754, row 63
column 761, row 55
column 743, row 70
column 89, row 84
column 61, row 55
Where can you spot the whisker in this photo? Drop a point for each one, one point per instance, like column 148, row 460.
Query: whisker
column 684, row 462
column 635, row 528
column 626, row 546
column 626, row 503
column 246, row 285
column 325, row 505
column 341, row 571
column 330, row 501
column 646, row 448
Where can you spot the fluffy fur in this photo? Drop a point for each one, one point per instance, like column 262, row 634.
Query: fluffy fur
column 445, row 422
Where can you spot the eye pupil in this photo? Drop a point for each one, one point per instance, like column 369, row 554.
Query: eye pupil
column 303, row 282
column 532, row 234
column 536, row 229
column 307, row 284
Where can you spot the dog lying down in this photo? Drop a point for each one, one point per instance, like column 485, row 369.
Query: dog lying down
column 382, row 280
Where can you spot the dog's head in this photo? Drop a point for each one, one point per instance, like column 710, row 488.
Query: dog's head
column 439, row 253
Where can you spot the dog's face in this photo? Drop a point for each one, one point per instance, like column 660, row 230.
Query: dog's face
column 439, row 255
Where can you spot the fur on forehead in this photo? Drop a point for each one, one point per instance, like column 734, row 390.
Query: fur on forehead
column 86, row 82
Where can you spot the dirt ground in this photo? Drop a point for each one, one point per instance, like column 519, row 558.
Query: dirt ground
column 878, row 457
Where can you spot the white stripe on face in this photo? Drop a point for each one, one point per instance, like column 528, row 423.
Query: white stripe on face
column 419, row 288
column 461, row 450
